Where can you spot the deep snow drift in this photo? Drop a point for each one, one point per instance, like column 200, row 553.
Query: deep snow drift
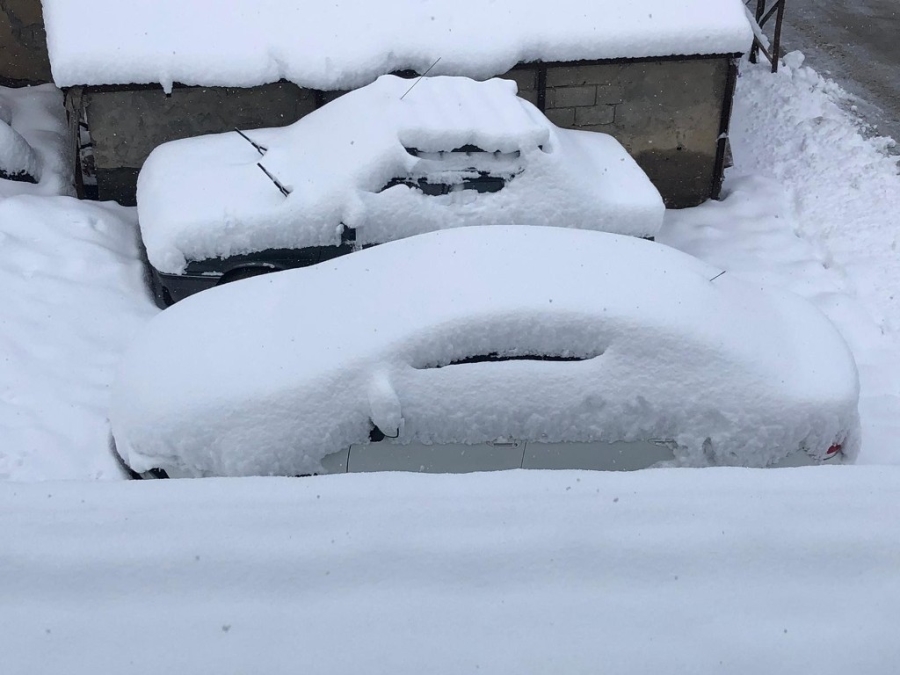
column 714, row 571
column 344, row 44
column 794, row 127
column 206, row 197
column 73, row 297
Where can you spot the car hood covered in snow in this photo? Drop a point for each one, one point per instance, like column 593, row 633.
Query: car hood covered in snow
column 270, row 374
column 205, row 197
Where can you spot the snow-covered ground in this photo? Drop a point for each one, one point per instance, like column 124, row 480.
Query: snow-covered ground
column 737, row 571
column 73, row 296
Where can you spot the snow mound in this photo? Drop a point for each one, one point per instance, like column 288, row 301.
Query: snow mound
column 270, row 374
column 206, row 197
column 73, row 295
column 798, row 127
column 348, row 43
column 726, row 571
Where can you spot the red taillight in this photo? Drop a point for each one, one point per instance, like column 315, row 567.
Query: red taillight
column 834, row 449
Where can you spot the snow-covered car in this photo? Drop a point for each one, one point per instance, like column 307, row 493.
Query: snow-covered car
column 395, row 158
column 486, row 348
column 18, row 160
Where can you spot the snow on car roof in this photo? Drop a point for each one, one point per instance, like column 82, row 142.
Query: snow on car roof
column 205, row 197
column 270, row 374
column 348, row 43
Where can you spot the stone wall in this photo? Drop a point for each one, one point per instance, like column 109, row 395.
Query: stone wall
column 23, row 43
column 670, row 114
column 126, row 124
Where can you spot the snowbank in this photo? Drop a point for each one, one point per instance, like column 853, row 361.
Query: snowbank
column 811, row 206
column 73, row 296
column 268, row 375
column 206, row 197
column 798, row 127
column 705, row 572
column 348, row 43
column 34, row 141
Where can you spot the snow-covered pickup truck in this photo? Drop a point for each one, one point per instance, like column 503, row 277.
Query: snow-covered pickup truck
column 395, row 158
column 472, row 349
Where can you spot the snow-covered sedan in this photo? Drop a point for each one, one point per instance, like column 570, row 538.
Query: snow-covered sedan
column 395, row 158
column 18, row 160
column 487, row 348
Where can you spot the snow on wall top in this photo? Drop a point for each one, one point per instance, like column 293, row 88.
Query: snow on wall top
column 347, row 43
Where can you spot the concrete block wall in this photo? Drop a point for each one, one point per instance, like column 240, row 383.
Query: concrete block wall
column 668, row 113
column 126, row 124
column 526, row 77
column 23, row 43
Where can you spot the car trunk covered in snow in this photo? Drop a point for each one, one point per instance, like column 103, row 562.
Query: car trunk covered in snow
column 655, row 74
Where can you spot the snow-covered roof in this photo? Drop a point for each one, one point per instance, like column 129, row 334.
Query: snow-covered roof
column 206, row 197
column 270, row 374
column 344, row 44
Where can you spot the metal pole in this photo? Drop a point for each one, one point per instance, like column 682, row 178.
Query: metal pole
column 776, row 43
column 754, row 50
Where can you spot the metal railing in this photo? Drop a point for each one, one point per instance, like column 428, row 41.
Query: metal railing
column 764, row 12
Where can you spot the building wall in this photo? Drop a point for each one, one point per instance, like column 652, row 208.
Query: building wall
column 126, row 124
column 667, row 113
column 23, row 43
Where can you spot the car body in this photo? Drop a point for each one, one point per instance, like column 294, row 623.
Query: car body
column 18, row 160
column 487, row 347
column 390, row 160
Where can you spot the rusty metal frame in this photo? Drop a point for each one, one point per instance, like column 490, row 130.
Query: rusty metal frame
column 724, row 123
column 542, row 87
column 763, row 15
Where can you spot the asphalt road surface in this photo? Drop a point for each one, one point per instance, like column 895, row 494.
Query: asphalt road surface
column 856, row 43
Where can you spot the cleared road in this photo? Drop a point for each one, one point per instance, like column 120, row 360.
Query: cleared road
column 858, row 44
